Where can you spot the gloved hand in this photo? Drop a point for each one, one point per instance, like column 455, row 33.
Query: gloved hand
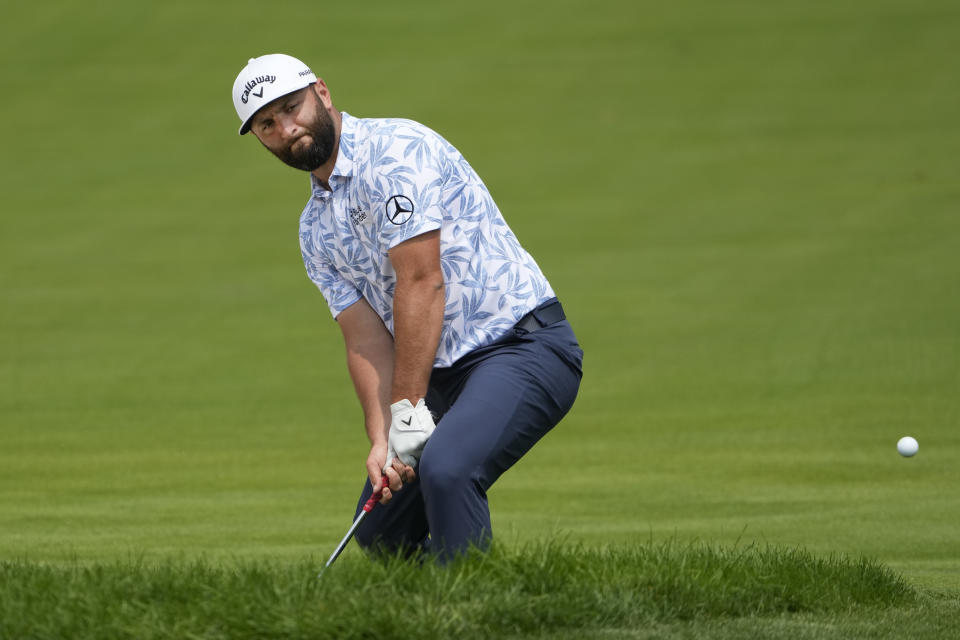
column 410, row 428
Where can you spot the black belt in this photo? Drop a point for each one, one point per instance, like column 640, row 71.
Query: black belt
column 543, row 316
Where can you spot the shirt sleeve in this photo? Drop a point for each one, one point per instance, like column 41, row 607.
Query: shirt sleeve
column 407, row 173
column 338, row 293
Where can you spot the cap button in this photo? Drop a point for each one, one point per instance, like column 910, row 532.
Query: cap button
column 251, row 60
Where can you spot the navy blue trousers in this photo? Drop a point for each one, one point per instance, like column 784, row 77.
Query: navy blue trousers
column 493, row 405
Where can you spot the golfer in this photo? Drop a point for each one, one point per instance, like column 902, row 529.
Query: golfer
column 458, row 349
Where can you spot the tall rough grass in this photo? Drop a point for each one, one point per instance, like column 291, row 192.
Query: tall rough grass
column 529, row 590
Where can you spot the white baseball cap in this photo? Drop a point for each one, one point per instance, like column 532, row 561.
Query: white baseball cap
column 265, row 79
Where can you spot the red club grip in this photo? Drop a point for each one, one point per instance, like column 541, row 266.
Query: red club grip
column 375, row 498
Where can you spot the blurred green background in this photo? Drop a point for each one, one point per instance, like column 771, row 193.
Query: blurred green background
column 749, row 210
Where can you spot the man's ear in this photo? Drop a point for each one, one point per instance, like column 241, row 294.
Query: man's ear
column 322, row 92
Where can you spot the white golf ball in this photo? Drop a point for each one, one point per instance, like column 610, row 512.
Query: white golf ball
column 907, row 446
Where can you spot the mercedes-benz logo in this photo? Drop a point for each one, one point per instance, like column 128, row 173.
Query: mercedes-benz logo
column 399, row 209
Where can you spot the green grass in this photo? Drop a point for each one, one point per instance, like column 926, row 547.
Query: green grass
column 535, row 590
column 749, row 210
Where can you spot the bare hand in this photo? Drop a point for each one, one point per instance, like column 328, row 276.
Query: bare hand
column 397, row 473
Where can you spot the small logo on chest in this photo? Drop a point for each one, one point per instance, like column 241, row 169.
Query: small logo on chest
column 357, row 215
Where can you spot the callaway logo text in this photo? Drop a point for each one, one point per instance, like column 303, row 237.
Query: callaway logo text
column 247, row 88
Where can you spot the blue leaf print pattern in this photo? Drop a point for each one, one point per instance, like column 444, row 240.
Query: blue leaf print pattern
column 347, row 232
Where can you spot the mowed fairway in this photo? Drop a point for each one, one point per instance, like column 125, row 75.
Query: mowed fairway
column 750, row 210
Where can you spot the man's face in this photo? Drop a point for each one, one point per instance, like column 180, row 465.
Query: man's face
column 297, row 129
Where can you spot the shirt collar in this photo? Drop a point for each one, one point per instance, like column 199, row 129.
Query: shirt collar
column 343, row 167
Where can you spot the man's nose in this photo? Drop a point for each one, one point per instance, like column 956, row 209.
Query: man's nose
column 289, row 126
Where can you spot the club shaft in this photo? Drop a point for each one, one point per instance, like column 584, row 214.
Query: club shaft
column 367, row 508
column 346, row 538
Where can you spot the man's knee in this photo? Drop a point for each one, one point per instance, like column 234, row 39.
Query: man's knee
column 383, row 543
column 445, row 472
column 369, row 534
column 364, row 538
column 374, row 542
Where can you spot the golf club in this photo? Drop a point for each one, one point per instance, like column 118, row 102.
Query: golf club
column 367, row 508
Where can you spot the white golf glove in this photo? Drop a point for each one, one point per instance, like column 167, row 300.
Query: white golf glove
column 410, row 428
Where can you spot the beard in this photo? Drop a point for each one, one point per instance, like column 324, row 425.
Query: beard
column 323, row 137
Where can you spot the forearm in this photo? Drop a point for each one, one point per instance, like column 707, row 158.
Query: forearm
column 370, row 363
column 418, row 305
column 371, row 369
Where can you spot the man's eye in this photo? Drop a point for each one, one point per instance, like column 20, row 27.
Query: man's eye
column 291, row 107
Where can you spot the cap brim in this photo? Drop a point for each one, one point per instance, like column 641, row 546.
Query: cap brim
column 245, row 127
